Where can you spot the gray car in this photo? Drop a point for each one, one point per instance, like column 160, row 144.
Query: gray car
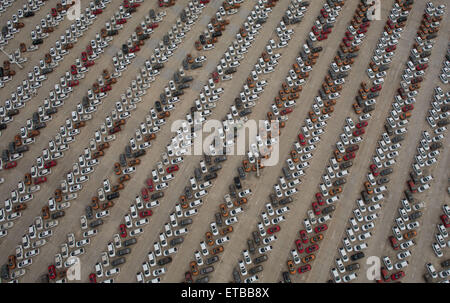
column 206, row 270
column 202, row 280
column 260, row 259
column 212, row 260
column 96, row 223
column 255, row 269
column 386, row 171
column 185, row 222
column 236, row 276
column 251, row 246
column 124, row 251
column 176, row 241
column 130, row 242
column 118, row 261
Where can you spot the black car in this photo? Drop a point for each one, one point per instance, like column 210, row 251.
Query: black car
column 386, row 171
column 158, row 106
column 256, row 238
column 212, row 260
column 218, row 219
column 445, row 263
column 398, row 138
column 346, row 165
column 328, row 209
column 435, row 145
column 245, row 112
column 47, row 70
column 118, row 261
column 196, row 65
column 89, row 213
column 286, row 200
column 221, row 158
column 286, row 277
column 164, row 261
column 241, row 172
column 260, row 259
column 357, row 256
column 215, row 168
column 185, row 222
column 236, row 276
column 37, row 41
column 352, row 267
column 210, row 176
column 124, row 251
column 251, row 246
column 237, row 182
column 96, row 223
column 255, row 269
column 130, row 242
column 112, row 196
column 157, row 195
column 58, row 214
column 232, row 189
column 202, row 280
column 139, row 153
column 415, row 215
column 339, row 181
column 176, row 241
column 177, row 93
column 5, row 272
column 383, row 180
column 2, row 126
column 183, row 86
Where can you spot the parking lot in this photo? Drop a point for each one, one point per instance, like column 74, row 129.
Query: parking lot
column 108, row 165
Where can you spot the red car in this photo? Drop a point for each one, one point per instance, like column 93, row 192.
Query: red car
column 121, row 21
column 98, row 11
column 352, row 148
column 134, row 49
column 123, row 230
column 322, row 37
column 361, row 124
column 150, row 185
column 390, row 24
column 320, row 228
column 273, row 229
column 73, row 70
column 144, row 194
column 298, row 244
column 105, row 88
column 375, row 88
column 54, row 12
column 361, row 30
column 349, row 156
column 172, row 168
column 153, row 25
column 374, row 169
column 50, row 164
column 92, row 278
column 359, row 132
column 407, row 108
column 365, row 24
column 312, row 248
column 40, row 180
column 315, row 30
column 286, row 111
column 304, row 236
column 145, row 213
column 316, row 208
column 445, row 220
column 302, row 139
column 320, row 199
column 73, row 83
column 9, row 165
column 84, row 56
column 304, row 268
column 324, row 13
column 347, row 43
column 88, row 63
column 394, row 242
column 397, row 275
column 391, row 48
column 421, row 66
column 385, row 275
column 326, row 31
column 115, row 130
column 215, row 76
column 52, row 272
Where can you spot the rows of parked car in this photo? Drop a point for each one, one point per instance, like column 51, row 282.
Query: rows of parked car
column 175, row 149
column 33, row 82
column 372, row 196
column 56, row 149
column 98, row 210
column 419, row 182
column 88, row 160
column 237, row 198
